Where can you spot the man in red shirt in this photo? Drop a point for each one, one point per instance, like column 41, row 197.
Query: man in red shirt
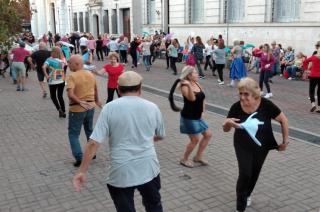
column 18, row 67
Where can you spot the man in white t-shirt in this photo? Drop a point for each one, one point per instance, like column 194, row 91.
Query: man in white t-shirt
column 83, row 41
column 131, row 133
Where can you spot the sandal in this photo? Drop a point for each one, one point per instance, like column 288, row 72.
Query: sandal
column 186, row 163
column 201, row 161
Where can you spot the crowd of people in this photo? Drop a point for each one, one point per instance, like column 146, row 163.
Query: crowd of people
column 131, row 131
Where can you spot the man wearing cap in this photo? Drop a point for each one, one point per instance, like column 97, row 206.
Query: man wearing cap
column 131, row 135
column 18, row 67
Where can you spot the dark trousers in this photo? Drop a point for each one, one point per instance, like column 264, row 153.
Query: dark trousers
column 134, row 59
column 56, row 94
column 250, row 163
column 173, row 66
column 314, row 82
column 105, row 50
column 99, row 54
column 208, row 63
column 220, row 68
column 111, row 94
column 198, row 62
column 264, row 78
column 151, row 198
column 168, row 60
column 123, row 56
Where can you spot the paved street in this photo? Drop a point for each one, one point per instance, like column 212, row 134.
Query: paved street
column 36, row 163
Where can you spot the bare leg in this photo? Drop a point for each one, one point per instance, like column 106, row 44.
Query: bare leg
column 23, row 80
column 194, row 139
column 203, row 144
column 42, row 86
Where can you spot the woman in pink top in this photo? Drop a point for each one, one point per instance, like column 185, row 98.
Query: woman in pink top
column 91, row 44
column 266, row 62
column 113, row 70
column 105, row 41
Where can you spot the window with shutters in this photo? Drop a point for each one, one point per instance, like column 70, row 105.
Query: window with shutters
column 285, row 10
column 81, row 27
column 235, row 10
column 197, row 11
column 75, row 21
column 151, row 11
column 87, row 22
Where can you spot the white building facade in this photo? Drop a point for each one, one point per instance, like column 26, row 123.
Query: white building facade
column 289, row 22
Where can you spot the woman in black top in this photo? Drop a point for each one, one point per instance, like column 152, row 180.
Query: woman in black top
column 191, row 122
column 253, row 137
column 133, row 52
column 99, row 50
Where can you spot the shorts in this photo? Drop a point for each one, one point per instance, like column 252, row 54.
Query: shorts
column 40, row 75
column 19, row 68
column 192, row 126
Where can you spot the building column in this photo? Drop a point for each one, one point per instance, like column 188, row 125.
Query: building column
column 165, row 15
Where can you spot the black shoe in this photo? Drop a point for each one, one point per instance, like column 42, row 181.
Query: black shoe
column 270, row 81
column 214, row 74
column 94, row 157
column 62, row 114
column 175, row 73
column 77, row 163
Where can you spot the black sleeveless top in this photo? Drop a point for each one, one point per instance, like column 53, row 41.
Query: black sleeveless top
column 193, row 109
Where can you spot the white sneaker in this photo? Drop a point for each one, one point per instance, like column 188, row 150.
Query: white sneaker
column 290, row 78
column 221, row 83
column 249, row 201
column 268, row 95
column 219, row 80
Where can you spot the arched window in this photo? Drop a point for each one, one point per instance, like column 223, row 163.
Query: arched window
column 235, row 10
column 151, row 11
column 286, row 10
column 197, row 11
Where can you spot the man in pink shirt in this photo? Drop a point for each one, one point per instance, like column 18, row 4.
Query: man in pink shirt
column 18, row 67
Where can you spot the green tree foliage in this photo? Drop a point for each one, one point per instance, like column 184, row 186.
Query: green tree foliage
column 12, row 14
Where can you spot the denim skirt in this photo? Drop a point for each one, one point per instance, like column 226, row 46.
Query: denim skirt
column 192, row 126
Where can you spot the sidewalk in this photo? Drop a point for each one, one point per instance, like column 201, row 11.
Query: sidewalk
column 36, row 165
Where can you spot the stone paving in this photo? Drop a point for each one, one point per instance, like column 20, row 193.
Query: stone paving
column 290, row 96
column 36, row 165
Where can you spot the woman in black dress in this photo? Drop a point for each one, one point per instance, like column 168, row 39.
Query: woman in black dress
column 253, row 137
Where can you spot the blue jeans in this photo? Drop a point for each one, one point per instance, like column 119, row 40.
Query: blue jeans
column 292, row 70
column 146, row 61
column 275, row 68
column 151, row 198
column 76, row 119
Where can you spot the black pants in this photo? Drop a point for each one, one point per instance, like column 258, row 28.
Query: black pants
column 153, row 56
column 168, row 59
column 134, row 59
column 99, row 54
column 282, row 68
column 220, row 68
column 250, row 163
column 264, row 78
column 173, row 66
column 123, row 56
column 208, row 63
column 123, row 198
column 106, row 50
column 314, row 82
column 111, row 94
column 56, row 94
